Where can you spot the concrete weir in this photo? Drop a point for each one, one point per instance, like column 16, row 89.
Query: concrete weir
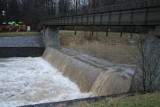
column 34, row 77
column 35, row 82
column 88, row 77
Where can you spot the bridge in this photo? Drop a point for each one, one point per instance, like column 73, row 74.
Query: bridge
column 140, row 13
column 143, row 12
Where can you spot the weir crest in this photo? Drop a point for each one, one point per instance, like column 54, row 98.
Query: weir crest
column 88, row 77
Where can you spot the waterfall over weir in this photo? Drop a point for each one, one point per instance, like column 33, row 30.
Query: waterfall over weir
column 88, row 77
column 31, row 80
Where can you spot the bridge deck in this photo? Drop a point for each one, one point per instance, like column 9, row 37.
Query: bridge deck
column 138, row 13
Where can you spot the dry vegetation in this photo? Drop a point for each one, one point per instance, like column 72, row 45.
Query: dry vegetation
column 68, row 37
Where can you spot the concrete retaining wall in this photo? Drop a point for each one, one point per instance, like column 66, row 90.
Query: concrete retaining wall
column 21, row 41
column 51, row 36
column 21, row 52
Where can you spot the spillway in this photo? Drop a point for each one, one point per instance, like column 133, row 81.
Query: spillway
column 55, row 76
column 89, row 77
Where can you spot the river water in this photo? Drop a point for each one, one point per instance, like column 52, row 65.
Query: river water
column 25, row 81
column 119, row 53
column 104, row 55
column 117, row 61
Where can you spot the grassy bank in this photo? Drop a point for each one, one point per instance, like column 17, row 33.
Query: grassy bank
column 146, row 100
column 19, row 33
column 68, row 37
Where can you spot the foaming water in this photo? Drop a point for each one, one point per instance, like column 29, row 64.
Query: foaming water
column 90, row 77
column 25, row 81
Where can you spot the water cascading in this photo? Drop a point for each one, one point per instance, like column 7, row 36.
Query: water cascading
column 25, row 81
column 31, row 80
column 88, row 77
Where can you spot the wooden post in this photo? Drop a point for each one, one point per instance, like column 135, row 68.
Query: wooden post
column 157, row 31
column 107, row 31
column 92, row 33
column 121, row 34
column 131, row 35
column 75, row 30
column 131, row 32
column 85, row 33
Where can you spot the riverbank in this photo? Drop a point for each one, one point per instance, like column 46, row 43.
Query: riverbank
column 18, row 33
column 113, row 38
column 139, row 100
column 111, row 48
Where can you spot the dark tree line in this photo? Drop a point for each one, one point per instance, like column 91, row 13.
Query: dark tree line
column 9, row 10
column 54, row 7
column 19, row 10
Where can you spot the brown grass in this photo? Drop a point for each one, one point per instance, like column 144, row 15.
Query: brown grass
column 68, row 37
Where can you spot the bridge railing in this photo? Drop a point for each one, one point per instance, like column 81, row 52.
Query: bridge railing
column 117, row 7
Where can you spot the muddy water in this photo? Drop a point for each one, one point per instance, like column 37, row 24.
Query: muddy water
column 98, row 76
column 25, row 81
column 114, row 53
column 117, row 62
column 96, row 70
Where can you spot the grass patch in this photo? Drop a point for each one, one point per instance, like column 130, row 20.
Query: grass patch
column 19, row 33
column 146, row 100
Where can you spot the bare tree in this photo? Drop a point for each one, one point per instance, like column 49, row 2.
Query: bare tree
column 147, row 73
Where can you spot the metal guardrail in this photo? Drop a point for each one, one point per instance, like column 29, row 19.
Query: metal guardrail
column 118, row 7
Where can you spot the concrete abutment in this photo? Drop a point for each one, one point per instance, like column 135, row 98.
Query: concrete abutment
column 149, row 65
column 51, row 36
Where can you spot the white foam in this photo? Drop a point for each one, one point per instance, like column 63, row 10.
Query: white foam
column 25, row 81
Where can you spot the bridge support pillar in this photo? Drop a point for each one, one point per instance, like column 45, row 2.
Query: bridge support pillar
column 157, row 31
column 51, row 36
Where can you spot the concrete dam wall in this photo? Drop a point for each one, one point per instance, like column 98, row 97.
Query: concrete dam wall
column 21, row 41
column 88, row 77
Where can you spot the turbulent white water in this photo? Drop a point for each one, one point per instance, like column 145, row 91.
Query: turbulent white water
column 25, row 81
